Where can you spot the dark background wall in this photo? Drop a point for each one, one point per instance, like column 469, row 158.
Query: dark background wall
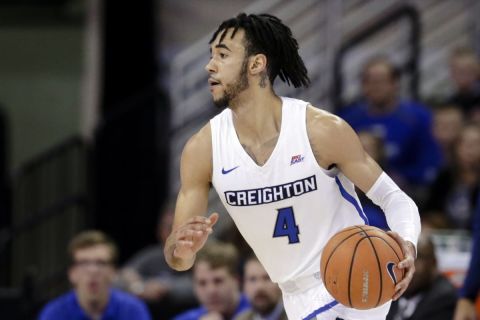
column 130, row 156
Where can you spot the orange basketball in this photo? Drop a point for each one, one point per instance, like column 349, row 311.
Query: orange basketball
column 358, row 266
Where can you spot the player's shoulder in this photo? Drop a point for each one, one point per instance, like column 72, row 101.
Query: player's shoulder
column 324, row 123
column 329, row 135
column 200, row 142
column 196, row 160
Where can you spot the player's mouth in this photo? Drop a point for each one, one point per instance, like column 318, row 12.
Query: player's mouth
column 213, row 83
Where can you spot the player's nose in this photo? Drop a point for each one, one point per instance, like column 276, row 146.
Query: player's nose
column 210, row 66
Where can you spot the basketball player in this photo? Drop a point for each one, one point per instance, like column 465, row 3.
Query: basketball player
column 284, row 170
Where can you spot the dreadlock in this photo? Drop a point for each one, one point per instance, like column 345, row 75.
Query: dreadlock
column 266, row 34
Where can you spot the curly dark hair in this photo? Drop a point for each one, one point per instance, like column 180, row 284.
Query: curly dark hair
column 266, row 34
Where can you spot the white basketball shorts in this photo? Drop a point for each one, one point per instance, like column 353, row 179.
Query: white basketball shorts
column 307, row 299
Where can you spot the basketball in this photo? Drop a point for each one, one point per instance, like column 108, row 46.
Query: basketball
column 358, row 266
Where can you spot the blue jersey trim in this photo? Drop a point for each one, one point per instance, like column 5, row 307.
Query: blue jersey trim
column 321, row 309
column 352, row 200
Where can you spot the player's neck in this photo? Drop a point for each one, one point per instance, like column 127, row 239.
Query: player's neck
column 257, row 117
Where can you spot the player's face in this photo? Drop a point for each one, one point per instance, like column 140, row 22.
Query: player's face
column 227, row 68
column 216, row 289
column 260, row 290
column 92, row 272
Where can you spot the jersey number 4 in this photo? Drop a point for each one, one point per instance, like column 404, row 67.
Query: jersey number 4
column 285, row 225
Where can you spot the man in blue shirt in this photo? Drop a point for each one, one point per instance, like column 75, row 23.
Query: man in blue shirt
column 413, row 156
column 216, row 284
column 92, row 271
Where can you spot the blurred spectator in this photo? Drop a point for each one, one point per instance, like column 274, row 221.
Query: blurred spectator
column 465, row 73
column 148, row 276
column 430, row 295
column 448, row 121
column 406, row 126
column 452, row 196
column 216, row 284
column 264, row 295
column 471, row 287
column 375, row 147
column 93, row 256
column 233, row 236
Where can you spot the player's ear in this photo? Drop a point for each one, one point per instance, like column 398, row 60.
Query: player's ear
column 257, row 64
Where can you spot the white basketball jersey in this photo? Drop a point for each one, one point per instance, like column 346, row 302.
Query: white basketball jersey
column 288, row 208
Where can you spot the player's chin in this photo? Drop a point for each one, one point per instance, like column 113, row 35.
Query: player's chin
column 220, row 102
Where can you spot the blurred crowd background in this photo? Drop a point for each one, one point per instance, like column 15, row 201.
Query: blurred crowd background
column 97, row 99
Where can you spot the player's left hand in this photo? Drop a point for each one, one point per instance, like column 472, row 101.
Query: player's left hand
column 408, row 264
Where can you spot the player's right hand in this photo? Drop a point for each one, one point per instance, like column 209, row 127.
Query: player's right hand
column 192, row 235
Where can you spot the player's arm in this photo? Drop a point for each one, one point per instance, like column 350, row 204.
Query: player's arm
column 190, row 227
column 335, row 143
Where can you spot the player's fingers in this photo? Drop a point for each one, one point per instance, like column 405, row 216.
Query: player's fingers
column 200, row 223
column 182, row 244
column 399, row 292
column 190, row 234
column 213, row 218
column 408, row 251
column 397, row 238
column 403, row 285
column 183, row 248
column 200, row 227
column 407, row 263
column 193, row 226
column 198, row 219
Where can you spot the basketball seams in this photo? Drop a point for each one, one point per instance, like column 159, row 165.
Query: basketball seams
column 379, row 267
column 351, row 269
column 340, row 265
column 340, row 243
column 394, row 251
column 353, row 228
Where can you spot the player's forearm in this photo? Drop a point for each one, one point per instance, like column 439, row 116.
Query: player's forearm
column 400, row 210
column 174, row 262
